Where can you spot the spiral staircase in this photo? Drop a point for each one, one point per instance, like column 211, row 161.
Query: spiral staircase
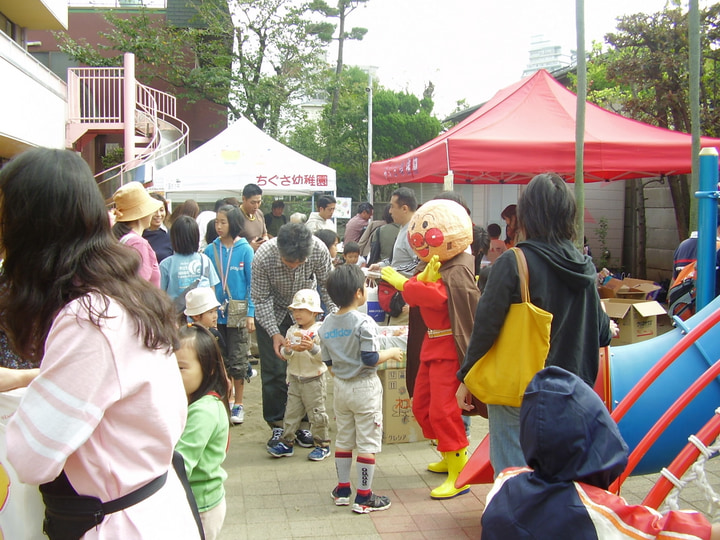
column 110, row 100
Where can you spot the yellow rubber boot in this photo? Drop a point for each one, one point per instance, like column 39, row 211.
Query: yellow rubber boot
column 438, row 466
column 455, row 462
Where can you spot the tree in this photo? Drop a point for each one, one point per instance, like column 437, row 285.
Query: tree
column 341, row 12
column 256, row 62
column 648, row 65
column 401, row 122
column 327, row 30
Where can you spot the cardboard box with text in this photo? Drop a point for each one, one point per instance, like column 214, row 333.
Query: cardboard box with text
column 399, row 424
column 637, row 319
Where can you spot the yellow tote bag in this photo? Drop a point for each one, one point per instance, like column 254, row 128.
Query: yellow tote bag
column 501, row 376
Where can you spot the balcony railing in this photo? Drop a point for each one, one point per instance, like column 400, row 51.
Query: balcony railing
column 96, row 102
column 98, row 95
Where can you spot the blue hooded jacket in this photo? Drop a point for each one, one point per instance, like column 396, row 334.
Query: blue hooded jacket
column 567, row 436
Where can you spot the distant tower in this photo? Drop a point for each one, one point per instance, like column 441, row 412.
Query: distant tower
column 544, row 55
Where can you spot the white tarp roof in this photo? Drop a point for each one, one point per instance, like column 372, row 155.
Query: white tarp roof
column 242, row 154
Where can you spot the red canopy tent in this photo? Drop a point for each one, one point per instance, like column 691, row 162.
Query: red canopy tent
column 528, row 128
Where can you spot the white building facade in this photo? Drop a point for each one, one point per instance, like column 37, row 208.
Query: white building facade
column 33, row 100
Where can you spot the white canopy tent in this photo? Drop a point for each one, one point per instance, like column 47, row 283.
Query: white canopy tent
column 242, row 154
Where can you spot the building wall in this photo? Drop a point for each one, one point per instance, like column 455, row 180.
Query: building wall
column 605, row 200
column 661, row 229
column 36, row 14
column 34, row 101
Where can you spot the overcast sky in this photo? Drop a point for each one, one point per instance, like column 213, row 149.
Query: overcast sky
column 470, row 49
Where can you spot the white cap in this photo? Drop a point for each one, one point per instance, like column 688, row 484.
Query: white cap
column 200, row 300
column 306, row 299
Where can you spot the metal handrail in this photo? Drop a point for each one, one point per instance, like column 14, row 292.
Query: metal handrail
column 99, row 94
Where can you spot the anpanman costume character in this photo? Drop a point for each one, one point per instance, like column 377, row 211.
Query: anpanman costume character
column 445, row 291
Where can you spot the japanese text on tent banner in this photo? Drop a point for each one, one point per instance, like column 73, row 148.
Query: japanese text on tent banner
column 310, row 180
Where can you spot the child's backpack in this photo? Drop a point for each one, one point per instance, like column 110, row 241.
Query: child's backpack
column 681, row 295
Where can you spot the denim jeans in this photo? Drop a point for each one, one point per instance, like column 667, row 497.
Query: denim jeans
column 505, row 448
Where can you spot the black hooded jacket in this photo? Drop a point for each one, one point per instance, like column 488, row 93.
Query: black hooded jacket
column 562, row 281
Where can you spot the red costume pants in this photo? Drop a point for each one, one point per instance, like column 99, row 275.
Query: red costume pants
column 434, row 404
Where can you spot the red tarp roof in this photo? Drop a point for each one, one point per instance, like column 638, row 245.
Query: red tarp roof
column 528, row 128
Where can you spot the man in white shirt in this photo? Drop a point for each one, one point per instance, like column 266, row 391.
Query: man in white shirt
column 322, row 219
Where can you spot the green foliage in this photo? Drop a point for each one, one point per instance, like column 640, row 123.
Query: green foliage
column 648, row 64
column 401, row 122
column 600, row 89
column 342, row 10
column 601, row 233
column 113, row 157
column 644, row 74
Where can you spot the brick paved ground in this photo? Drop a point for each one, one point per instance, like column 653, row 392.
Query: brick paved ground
column 282, row 498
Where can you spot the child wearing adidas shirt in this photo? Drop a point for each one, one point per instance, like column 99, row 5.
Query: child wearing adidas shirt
column 349, row 346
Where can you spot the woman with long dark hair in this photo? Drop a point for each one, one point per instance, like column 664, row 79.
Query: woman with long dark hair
column 561, row 281
column 107, row 407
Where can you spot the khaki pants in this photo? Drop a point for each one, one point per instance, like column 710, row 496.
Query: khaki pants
column 307, row 396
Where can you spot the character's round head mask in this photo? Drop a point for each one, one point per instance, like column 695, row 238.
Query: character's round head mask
column 440, row 227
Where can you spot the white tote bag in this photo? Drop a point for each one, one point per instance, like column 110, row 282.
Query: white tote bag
column 373, row 306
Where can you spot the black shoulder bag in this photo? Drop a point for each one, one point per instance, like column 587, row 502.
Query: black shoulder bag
column 68, row 516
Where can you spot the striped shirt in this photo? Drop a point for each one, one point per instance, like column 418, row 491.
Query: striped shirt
column 109, row 412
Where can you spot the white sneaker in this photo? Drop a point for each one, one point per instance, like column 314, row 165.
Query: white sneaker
column 251, row 373
column 237, row 416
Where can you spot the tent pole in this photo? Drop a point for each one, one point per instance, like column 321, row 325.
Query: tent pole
column 449, row 180
column 580, row 123
column 370, row 134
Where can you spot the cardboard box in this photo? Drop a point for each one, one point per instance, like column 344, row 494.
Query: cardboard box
column 637, row 319
column 631, row 288
column 388, row 340
column 399, row 424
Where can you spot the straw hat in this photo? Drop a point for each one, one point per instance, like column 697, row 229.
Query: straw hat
column 133, row 202
column 306, row 299
column 200, row 300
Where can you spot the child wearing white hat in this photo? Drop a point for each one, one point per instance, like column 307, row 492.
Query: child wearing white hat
column 201, row 306
column 307, row 389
